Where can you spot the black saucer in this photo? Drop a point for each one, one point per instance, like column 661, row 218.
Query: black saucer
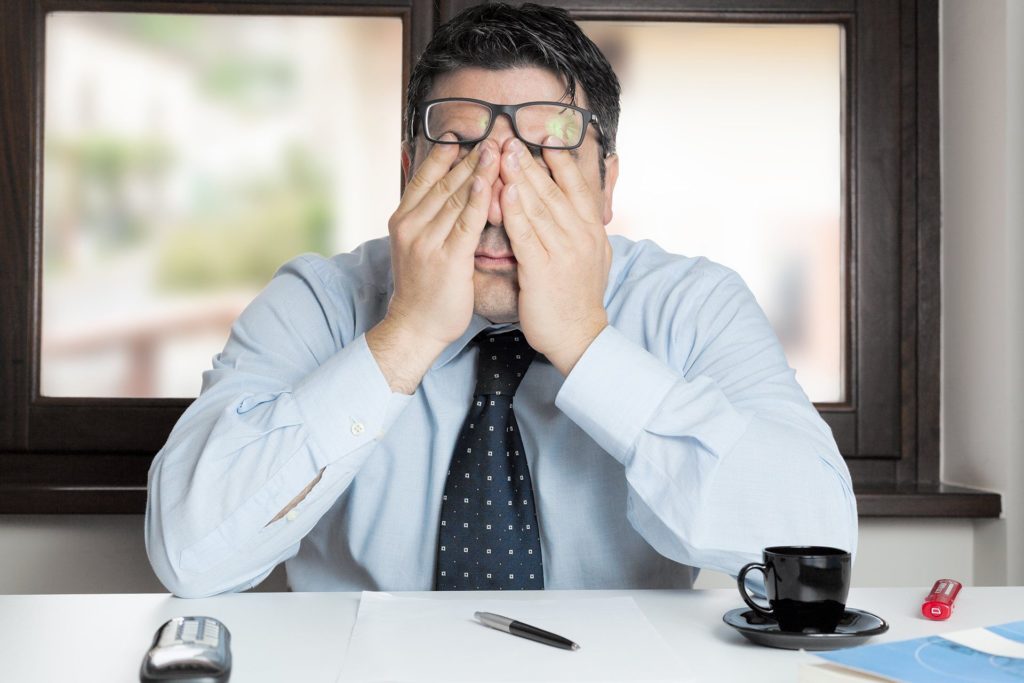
column 854, row 628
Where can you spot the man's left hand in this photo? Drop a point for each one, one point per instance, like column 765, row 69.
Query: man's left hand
column 558, row 238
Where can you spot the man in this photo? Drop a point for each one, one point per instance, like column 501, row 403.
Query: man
column 658, row 428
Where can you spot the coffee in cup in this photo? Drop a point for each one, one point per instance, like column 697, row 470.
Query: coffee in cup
column 806, row 586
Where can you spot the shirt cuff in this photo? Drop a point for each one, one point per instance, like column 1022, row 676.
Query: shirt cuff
column 614, row 391
column 347, row 403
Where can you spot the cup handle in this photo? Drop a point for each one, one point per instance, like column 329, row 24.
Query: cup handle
column 741, row 584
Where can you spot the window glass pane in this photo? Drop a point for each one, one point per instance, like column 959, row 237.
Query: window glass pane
column 186, row 158
column 731, row 148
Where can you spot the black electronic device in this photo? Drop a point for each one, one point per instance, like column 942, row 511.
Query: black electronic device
column 192, row 649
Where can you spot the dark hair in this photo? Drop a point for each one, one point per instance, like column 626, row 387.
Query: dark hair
column 499, row 36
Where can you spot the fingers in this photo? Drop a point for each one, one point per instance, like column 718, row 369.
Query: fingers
column 529, row 223
column 436, row 166
column 445, row 207
column 449, row 195
column 568, row 203
column 470, row 219
column 531, row 195
column 525, row 240
column 570, row 179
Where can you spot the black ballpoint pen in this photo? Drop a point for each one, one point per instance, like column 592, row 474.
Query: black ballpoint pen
column 518, row 628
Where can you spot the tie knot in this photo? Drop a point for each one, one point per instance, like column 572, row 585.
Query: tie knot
column 504, row 359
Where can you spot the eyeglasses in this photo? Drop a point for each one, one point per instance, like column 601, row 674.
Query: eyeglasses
column 532, row 122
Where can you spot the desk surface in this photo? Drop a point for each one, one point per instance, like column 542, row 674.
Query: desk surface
column 304, row 636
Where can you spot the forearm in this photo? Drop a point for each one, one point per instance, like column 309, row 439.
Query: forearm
column 238, row 460
column 712, row 479
column 717, row 511
column 197, row 545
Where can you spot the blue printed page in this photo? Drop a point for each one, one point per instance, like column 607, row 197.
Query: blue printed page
column 963, row 656
column 1012, row 631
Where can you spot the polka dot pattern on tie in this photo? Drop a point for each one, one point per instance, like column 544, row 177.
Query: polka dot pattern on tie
column 489, row 538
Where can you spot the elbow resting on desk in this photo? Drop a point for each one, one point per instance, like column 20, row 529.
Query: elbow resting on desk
column 208, row 567
column 194, row 584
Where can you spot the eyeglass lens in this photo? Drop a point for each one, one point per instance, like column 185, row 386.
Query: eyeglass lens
column 469, row 122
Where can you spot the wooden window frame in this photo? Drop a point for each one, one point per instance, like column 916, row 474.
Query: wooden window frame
column 888, row 428
column 92, row 455
column 57, row 454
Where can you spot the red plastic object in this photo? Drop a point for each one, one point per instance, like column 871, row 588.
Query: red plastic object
column 939, row 603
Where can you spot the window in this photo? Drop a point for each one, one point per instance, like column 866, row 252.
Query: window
column 67, row 453
column 190, row 156
column 731, row 134
column 70, row 453
column 887, row 422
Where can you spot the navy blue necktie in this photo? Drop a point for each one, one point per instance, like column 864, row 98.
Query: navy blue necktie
column 489, row 538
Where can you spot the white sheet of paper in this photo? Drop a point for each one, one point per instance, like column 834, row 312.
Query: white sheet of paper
column 983, row 640
column 420, row 640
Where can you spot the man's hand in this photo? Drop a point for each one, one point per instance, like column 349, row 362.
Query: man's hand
column 564, row 256
column 434, row 235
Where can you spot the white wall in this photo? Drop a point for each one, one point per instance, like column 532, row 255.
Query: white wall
column 1015, row 256
column 982, row 332
column 982, row 335
column 901, row 552
column 80, row 554
column 105, row 554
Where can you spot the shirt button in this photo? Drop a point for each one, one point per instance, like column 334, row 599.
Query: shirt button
column 357, row 428
column 292, row 514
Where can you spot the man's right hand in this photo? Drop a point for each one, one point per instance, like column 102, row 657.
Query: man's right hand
column 434, row 235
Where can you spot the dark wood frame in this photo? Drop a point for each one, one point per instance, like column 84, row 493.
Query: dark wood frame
column 85, row 454
column 888, row 429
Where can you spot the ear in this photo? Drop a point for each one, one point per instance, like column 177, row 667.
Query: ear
column 406, row 162
column 611, row 174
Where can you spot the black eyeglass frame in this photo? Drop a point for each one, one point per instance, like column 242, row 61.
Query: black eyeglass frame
column 510, row 111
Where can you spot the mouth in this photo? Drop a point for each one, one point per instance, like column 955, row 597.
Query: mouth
column 495, row 261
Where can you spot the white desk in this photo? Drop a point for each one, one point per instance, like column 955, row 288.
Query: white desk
column 302, row 637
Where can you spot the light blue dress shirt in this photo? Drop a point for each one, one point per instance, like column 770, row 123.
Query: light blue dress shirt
column 679, row 440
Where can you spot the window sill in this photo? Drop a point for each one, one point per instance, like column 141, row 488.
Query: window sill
column 927, row 500
column 116, row 484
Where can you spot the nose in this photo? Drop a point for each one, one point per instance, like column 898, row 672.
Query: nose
column 500, row 132
column 494, row 210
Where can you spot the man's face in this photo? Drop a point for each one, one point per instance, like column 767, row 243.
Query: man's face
column 495, row 280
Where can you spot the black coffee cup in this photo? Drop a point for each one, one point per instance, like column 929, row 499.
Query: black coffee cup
column 806, row 587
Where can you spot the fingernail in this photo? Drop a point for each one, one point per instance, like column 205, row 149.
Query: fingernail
column 448, row 137
column 486, row 157
column 552, row 140
column 512, row 193
column 478, row 183
column 516, row 146
column 512, row 162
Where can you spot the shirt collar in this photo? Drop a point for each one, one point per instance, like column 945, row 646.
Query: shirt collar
column 477, row 325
